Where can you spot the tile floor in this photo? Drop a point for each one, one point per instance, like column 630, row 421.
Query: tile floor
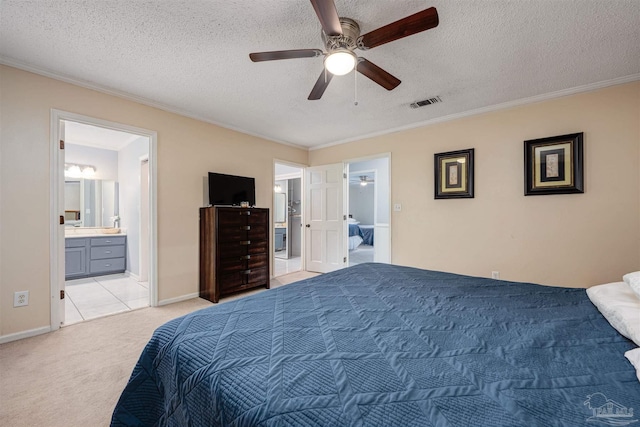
column 286, row 266
column 103, row 295
column 361, row 254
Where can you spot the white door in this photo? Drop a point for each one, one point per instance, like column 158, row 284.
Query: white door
column 60, row 248
column 325, row 218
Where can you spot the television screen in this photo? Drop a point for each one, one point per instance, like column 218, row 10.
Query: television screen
column 231, row 189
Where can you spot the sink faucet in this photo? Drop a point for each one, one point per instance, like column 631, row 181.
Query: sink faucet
column 116, row 221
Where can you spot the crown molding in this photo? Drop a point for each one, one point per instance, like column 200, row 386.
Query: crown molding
column 503, row 106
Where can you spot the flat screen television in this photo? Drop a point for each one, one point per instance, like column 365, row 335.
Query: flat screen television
column 231, row 189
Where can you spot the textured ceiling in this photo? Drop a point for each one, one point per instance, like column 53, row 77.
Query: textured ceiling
column 192, row 57
column 99, row 137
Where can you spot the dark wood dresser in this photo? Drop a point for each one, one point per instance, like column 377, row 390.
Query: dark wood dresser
column 234, row 250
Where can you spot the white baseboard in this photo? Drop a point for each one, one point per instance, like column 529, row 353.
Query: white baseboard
column 178, row 299
column 24, row 334
column 132, row 275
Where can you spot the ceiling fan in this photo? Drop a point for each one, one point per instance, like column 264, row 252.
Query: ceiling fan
column 341, row 36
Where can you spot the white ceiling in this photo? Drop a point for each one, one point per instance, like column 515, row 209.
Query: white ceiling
column 99, row 137
column 192, row 57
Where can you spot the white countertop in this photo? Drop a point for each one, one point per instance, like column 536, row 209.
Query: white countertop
column 71, row 233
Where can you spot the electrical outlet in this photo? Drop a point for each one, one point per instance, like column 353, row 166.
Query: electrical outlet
column 21, row 298
column 397, row 207
column 495, row 274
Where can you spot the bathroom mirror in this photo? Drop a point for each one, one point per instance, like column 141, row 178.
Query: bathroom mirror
column 90, row 202
column 280, row 214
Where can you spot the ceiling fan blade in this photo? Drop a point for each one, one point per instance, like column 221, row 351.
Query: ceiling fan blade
column 377, row 74
column 284, row 54
column 320, row 86
column 404, row 27
column 328, row 16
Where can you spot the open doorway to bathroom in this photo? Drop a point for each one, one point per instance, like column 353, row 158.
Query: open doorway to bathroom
column 105, row 253
column 287, row 218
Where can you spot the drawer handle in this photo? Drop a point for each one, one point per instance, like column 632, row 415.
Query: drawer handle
column 107, row 265
column 245, row 257
column 246, row 272
column 245, row 212
column 245, row 227
column 107, row 241
column 245, row 242
column 107, row 252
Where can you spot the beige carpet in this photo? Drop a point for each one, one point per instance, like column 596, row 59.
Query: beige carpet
column 74, row 376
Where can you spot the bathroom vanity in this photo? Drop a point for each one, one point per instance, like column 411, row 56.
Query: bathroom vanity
column 94, row 255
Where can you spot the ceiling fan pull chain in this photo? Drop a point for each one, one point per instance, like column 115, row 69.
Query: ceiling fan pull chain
column 355, row 86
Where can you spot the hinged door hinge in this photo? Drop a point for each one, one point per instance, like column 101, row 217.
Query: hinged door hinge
column 62, row 294
column 344, row 175
column 344, row 259
column 344, row 217
column 62, row 219
column 62, row 144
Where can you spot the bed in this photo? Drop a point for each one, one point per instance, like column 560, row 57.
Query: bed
column 383, row 345
column 359, row 234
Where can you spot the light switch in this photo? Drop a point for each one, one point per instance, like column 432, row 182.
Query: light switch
column 397, row 207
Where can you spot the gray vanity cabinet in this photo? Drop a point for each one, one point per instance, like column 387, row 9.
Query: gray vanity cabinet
column 75, row 258
column 94, row 256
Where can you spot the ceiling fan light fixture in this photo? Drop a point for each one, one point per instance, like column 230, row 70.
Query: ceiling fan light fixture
column 340, row 62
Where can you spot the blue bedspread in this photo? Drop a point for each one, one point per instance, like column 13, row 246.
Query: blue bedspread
column 382, row 345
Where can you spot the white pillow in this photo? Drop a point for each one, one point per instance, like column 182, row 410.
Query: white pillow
column 634, row 358
column 620, row 306
column 633, row 280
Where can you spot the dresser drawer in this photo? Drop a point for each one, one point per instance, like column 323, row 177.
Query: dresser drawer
column 101, row 252
column 231, row 216
column 257, row 247
column 107, row 265
column 230, row 282
column 231, row 250
column 105, row 241
column 257, row 261
column 257, row 276
column 233, row 233
column 257, row 232
column 258, row 218
column 232, row 264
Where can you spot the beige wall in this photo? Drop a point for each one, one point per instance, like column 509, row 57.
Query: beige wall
column 567, row 240
column 187, row 150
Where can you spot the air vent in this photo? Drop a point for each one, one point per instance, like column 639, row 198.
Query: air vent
column 434, row 100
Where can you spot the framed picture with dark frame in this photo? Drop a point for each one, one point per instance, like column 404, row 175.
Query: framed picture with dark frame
column 554, row 165
column 454, row 174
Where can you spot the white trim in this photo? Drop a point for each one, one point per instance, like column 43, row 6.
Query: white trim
column 293, row 175
column 55, row 175
column 503, row 106
column 25, row 334
column 140, row 100
column 134, row 276
column 178, row 299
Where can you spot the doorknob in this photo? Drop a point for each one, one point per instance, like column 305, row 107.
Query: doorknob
column 308, row 225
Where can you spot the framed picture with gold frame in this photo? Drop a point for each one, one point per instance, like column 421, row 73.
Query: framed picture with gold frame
column 554, row 165
column 454, row 174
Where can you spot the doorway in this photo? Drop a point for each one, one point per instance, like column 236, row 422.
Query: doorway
column 328, row 219
column 287, row 218
column 104, row 252
column 369, row 209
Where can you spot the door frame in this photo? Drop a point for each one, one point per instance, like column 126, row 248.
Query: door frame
column 272, row 258
column 57, row 204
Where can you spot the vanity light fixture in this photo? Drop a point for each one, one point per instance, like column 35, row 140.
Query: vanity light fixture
column 277, row 188
column 72, row 170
